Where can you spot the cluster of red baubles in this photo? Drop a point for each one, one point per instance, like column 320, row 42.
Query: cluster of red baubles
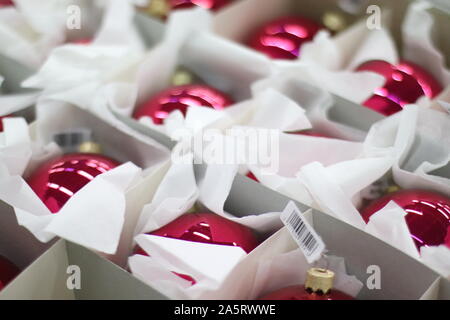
column 405, row 82
column 8, row 271
column 207, row 228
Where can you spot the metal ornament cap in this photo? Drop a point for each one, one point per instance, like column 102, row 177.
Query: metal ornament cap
column 319, row 279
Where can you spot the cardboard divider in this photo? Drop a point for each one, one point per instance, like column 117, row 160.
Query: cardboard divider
column 17, row 243
column 45, row 279
column 14, row 73
column 102, row 279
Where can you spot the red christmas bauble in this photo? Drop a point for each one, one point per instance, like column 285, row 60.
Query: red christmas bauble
column 6, row 3
column 405, row 83
column 207, row 4
column 300, row 293
column 180, row 98
column 8, row 271
column 283, row 38
column 447, row 239
column 428, row 214
column 1, row 123
column 252, row 176
column 58, row 180
column 206, row 228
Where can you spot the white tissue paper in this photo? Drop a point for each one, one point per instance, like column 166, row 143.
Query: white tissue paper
column 188, row 42
column 14, row 102
column 74, row 73
column 31, row 29
column 177, row 193
column 410, row 151
column 319, row 105
column 95, row 215
column 15, row 146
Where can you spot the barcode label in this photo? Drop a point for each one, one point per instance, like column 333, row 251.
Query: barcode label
column 305, row 236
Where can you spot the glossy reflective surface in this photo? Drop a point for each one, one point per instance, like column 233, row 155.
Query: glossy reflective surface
column 447, row 239
column 206, row 228
column 283, row 38
column 428, row 215
column 207, row 4
column 180, row 98
column 405, row 84
column 8, row 272
column 300, row 293
column 58, row 180
column 209, row 228
column 252, row 176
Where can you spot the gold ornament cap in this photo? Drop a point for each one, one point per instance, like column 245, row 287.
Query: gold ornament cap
column 319, row 280
column 157, row 8
column 393, row 188
column 334, row 21
column 182, row 77
column 90, row 147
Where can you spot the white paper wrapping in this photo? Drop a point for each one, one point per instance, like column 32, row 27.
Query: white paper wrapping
column 177, row 193
column 31, row 29
column 94, row 216
column 75, row 72
column 15, row 148
column 404, row 145
column 419, row 33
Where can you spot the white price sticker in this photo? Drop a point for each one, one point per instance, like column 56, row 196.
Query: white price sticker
column 306, row 237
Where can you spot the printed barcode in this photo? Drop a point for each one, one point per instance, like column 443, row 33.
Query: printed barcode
column 306, row 239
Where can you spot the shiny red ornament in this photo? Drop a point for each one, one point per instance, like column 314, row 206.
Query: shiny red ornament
column 252, row 176
column 6, row 3
column 283, row 38
column 447, row 239
column 58, row 180
column 428, row 214
column 1, row 122
column 301, row 293
column 207, row 4
column 405, row 83
column 8, row 271
column 206, row 228
column 180, row 98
